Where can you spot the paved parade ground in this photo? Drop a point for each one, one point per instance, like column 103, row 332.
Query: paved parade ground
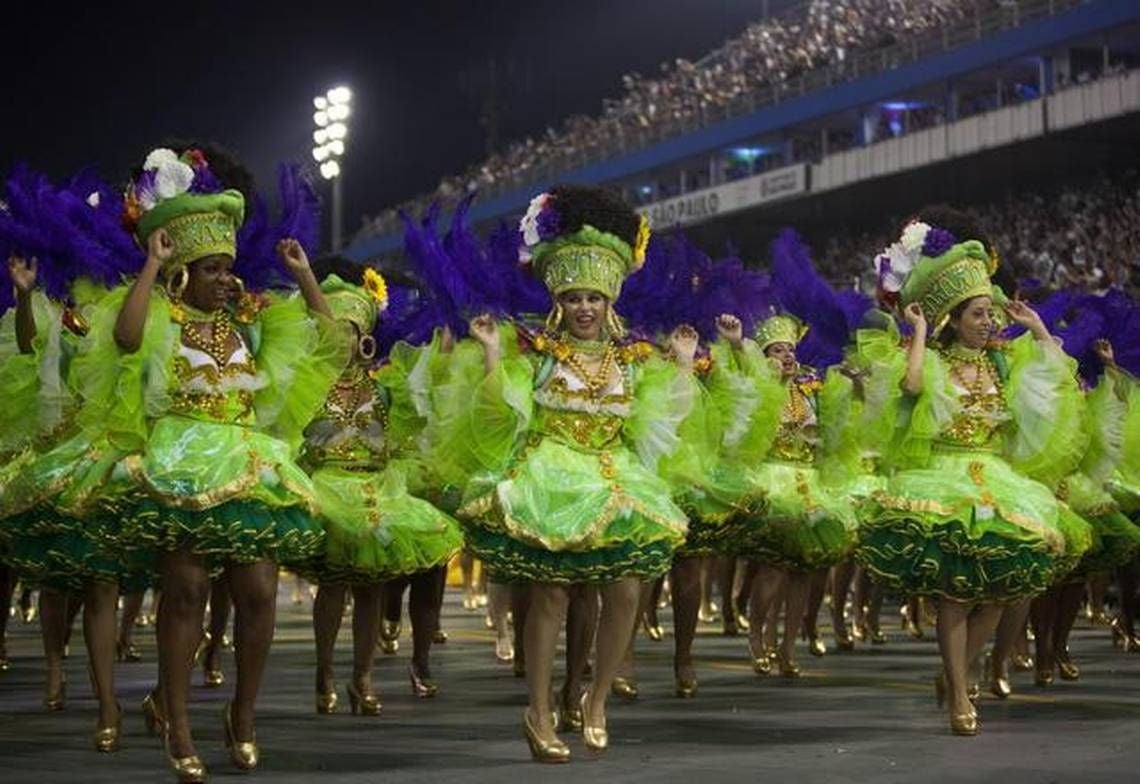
column 867, row 716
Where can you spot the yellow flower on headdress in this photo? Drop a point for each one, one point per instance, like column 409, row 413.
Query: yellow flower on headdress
column 641, row 244
column 376, row 287
column 994, row 260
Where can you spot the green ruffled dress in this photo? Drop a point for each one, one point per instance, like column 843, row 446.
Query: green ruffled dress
column 375, row 530
column 712, row 490
column 1124, row 483
column 807, row 524
column 1116, row 539
column 961, row 518
column 561, row 483
column 53, row 499
column 210, row 440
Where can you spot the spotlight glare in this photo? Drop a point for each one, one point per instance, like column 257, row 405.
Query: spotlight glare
column 321, row 119
column 320, row 102
column 320, row 153
column 336, row 147
column 341, row 95
column 337, row 130
column 320, row 136
column 330, row 169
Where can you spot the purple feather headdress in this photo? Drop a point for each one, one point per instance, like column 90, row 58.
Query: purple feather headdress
column 800, row 290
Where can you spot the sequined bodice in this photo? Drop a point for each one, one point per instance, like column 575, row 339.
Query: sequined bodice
column 581, row 416
column 205, row 388
column 351, row 429
column 981, row 412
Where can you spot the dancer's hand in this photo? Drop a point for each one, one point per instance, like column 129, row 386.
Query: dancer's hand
column 1104, row 352
column 729, row 327
column 1025, row 316
column 683, row 345
column 23, row 272
column 914, row 316
column 485, row 329
column 293, row 256
column 159, row 248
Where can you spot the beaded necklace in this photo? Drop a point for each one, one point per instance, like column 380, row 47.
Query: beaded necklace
column 217, row 345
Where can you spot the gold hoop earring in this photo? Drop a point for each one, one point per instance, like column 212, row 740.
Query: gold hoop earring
column 176, row 284
column 554, row 318
column 367, row 346
column 240, row 286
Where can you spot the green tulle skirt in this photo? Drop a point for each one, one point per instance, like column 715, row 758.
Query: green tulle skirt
column 375, row 530
column 805, row 526
column 564, row 515
column 720, row 505
column 969, row 528
column 226, row 492
column 57, row 504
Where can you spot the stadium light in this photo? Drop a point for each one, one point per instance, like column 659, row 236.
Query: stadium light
column 333, row 109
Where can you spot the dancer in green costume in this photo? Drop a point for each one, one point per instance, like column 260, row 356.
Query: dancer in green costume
column 961, row 520
column 560, row 441
column 361, row 453
column 210, row 399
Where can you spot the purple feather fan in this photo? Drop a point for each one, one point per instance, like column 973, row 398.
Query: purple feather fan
column 257, row 263
column 803, row 293
column 73, row 230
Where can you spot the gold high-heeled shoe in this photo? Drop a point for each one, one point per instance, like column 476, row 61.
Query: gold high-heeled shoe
column 708, row 613
column 439, row 637
column 652, row 630
column 787, row 667
column 57, row 700
column 686, row 688
column 127, row 653
column 594, row 736
column 326, row 701
column 742, row 622
column 4, row 663
column 816, row 646
column 569, row 714
column 364, row 704
column 152, row 715
column 625, row 688
column 212, row 679
column 547, row 751
column 389, row 637
column 999, row 679
column 107, row 738
column 1043, row 676
column 189, row 770
column 1022, row 662
column 422, row 688
column 504, row 650
column 244, row 753
column 762, row 664
column 965, row 724
column 878, row 637
column 1066, row 668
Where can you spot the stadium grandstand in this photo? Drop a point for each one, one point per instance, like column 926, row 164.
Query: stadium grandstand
column 834, row 114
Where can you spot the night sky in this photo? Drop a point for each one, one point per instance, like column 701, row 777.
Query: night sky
column 103, row 84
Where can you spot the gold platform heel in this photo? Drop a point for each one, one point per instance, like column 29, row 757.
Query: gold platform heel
column 107, row 739
column 569, row 715
column 422, row 687
column 595, row 737
column 57, row 700
column 364, row 704
column 389, row 637
column 626, row 688
column 245, row 754
column 550, row 752
column 965, row 724
column 189, row 770
column 326, row 701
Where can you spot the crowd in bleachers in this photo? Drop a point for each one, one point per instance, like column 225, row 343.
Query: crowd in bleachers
column 818, row 34
column 1085, row 237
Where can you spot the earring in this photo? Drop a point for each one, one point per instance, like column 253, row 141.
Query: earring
column 240, row 286
column 176, row 284
column 554, row 318
column 367, row 346
column 613, row 322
